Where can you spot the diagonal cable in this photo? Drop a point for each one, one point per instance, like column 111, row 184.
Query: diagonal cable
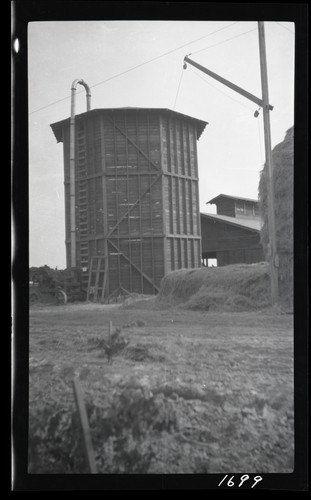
column 178, row 89
column 225, row 41
column 137, row 66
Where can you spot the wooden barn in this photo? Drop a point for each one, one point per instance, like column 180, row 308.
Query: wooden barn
column 232, row 206
column 232, row 236
column 136, row 197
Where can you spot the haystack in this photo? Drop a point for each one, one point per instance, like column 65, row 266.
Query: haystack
column 283, row 176
column 237, row 287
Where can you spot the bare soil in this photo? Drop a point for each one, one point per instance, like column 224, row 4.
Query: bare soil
column 224, row 379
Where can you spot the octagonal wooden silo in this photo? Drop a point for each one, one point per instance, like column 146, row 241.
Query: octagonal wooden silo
column 136, row 197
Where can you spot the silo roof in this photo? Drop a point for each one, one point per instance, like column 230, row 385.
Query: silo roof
column 57, row 126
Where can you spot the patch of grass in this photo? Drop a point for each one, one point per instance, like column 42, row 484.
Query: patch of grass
column 125, row 436
column 217, row 364
column 143, row 352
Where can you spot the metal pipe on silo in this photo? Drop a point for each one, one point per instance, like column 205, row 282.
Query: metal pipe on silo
column 73, row 262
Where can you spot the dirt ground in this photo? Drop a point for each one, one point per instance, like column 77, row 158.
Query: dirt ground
column 220, row 386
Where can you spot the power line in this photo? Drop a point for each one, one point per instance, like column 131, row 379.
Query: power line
column 52, row 104
column 225, row 41
column 280, row 24
column 137, row 66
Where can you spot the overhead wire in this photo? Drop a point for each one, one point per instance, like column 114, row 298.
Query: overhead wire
column 225, row 41
column 214, row 45
column 137, row 66
column 280, row 24
column 224, row 93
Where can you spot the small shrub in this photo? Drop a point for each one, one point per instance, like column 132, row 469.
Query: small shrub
column 116, row 345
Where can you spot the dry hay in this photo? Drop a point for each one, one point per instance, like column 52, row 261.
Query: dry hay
column 238, row 287
column 283, row 164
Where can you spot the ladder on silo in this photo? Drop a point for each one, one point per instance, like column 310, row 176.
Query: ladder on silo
column 97, row 279
column 82, row 202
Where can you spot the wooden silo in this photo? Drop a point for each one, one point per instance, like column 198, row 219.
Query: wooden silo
column 136, row 196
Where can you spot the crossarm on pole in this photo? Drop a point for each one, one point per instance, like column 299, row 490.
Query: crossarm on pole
column 229, row 84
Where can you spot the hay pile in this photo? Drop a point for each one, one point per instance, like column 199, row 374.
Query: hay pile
column 283, row 164
column 238, row 287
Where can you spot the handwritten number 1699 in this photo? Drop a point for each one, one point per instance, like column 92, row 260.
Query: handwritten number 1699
column 243, row 478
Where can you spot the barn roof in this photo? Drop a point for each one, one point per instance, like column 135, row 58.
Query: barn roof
column 214, row 200
column 251, row 224
column 58, row 126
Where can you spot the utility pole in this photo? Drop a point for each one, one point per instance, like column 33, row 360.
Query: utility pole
column 264, row 104
column 273, row 256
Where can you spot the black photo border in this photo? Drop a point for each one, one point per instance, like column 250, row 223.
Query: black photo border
column 25, row 11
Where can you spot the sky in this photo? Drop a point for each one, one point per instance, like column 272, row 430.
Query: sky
column 140, row 64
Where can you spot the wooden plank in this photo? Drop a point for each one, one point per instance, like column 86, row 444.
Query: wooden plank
column 128, row 201
column 185, row 242
column 178, row 214
column 97, row 278
column 189, row 149
column 198, row 209
column 130, row 173
column 191, row 208
column 139, row 206
column 179, row 236
column 134, row 265
column 116, row 206
column 231, row 85
column 182, row 147
column 179, row 251
column 132, row 206
column 171, row 204
column 90, row 280
column 126, row 236
column 163, row 205
column 137, row 147
column 183, row 181
column 87, row 440
column 103, row 173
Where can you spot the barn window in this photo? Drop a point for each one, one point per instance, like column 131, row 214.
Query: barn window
column 246, row 208
column 249, row 209
column 239, row 208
